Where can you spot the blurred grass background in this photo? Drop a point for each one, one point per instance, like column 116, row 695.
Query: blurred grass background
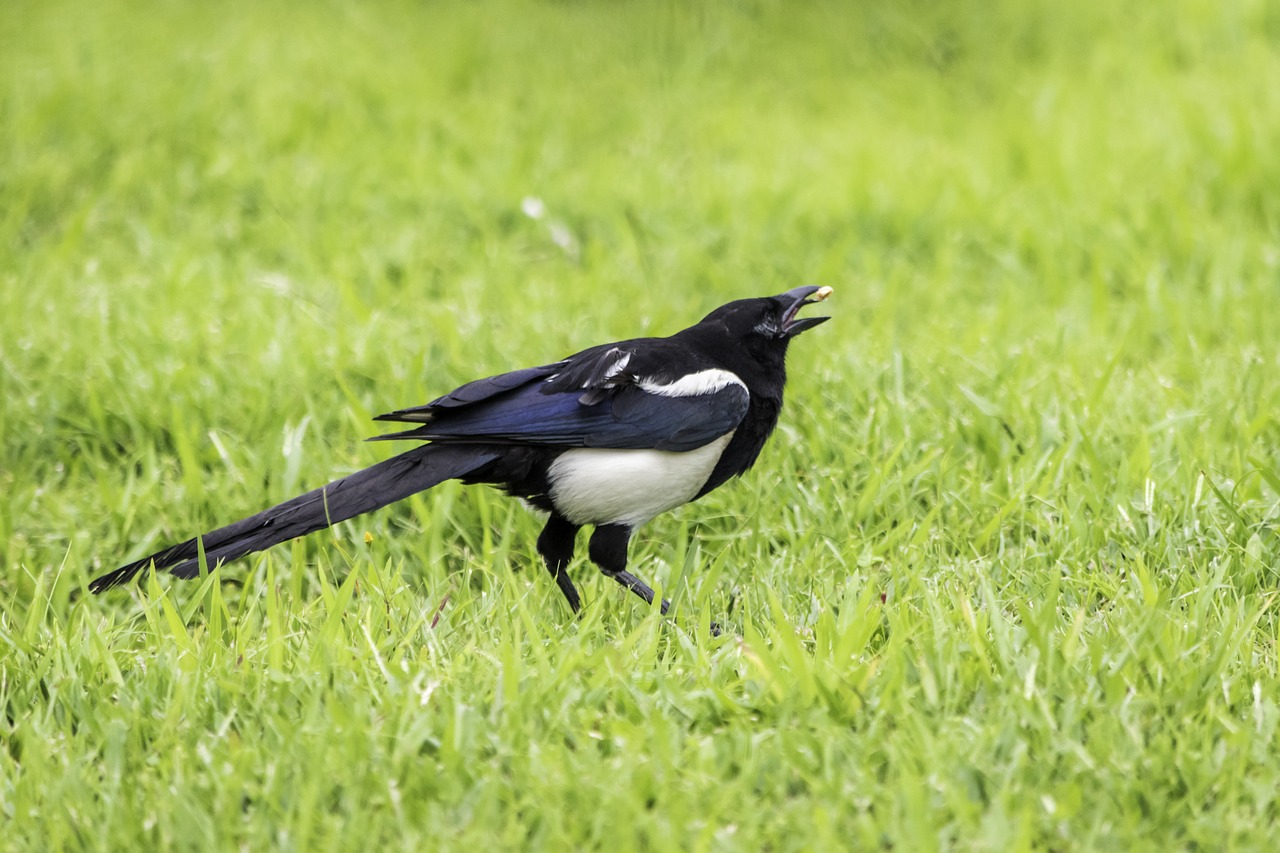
column 1003, row 580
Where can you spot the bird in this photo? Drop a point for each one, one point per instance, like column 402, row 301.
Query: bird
column 609, row 438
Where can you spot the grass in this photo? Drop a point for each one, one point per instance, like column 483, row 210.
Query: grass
column 1003, row 580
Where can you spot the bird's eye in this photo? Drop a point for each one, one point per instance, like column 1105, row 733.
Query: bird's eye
column 768, row 327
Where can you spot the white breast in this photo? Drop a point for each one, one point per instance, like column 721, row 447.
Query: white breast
column 598, row 486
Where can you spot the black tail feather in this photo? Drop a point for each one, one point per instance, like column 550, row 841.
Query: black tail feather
column 358, row 493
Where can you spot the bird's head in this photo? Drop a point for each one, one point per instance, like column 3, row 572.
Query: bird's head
column 768, row 322
column 751, row 335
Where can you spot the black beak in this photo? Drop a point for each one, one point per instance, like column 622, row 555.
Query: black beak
column 797, row 298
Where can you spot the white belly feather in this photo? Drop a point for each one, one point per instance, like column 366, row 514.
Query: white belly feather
column 601, row 486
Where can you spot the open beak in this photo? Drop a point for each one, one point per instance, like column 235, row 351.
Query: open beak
column 796, row 299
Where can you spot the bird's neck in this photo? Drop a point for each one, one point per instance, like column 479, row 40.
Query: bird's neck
column 764, row 373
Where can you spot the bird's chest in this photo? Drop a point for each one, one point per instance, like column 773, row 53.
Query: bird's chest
column 601, row 486
column 748, row 440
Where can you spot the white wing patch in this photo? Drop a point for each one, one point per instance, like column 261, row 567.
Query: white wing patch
column 619, row 365
column 694, row 384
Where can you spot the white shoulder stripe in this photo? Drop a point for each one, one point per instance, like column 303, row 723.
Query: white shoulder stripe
column 695, row 384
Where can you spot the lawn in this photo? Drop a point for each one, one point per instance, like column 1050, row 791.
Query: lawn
column 1003, row 580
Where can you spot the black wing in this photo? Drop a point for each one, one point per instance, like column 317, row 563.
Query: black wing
column 602, row 397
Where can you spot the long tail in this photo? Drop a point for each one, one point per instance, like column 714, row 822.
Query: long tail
column 358, row 493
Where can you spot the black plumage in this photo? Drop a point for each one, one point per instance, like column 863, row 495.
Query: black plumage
column 609, row 437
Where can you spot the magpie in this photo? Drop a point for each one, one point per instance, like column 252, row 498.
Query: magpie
column 610, row 437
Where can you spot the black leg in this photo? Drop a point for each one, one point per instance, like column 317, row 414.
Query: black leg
column 555, row 544
column 608, row 550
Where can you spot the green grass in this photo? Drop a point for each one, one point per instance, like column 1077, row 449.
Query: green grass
column 1004, row 578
